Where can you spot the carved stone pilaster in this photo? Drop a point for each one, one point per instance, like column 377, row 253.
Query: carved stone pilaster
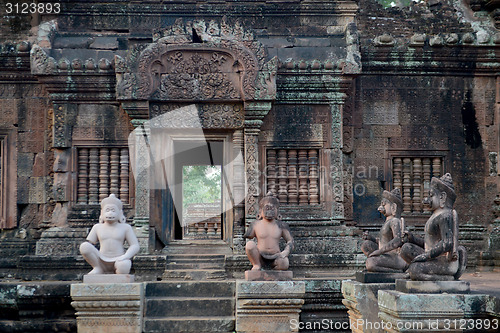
column 254, row 113
column 142, row 188
column 238, row 191
column 252, row 174
column 139, row 112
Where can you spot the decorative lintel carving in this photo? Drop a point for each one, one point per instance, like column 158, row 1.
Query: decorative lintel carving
column 227, row 65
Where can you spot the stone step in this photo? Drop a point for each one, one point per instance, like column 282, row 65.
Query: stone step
column 194, row 274
column 197, row 247
column 190, row 289
column 196, row 257
column 182, row 307
column 200, row 265
column 190, row 324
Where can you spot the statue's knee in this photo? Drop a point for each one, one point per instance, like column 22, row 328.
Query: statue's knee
column 282, row 264
column 123, row 266
column 371, row 265
column 86, row 248
column 406, row 252
column 250, row 246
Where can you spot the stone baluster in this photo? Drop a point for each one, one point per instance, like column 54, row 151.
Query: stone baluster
column 282, row 176
column 293, row 197
column 83, row 176
column 313, row 177
column 397, row 172
column 407, row 185
column 417, row 185
column 436, row 167
column 271, row 171
column 303, row 177
column 94, row 176
column 211, row 227
column 104, row 173
column 114, row 171
column 124, row 174
column 427, row 180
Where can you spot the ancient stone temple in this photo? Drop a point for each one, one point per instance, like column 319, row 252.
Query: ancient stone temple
column 191, row 111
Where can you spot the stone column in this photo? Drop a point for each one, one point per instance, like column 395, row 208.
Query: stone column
column 108, row 307
column 362, row 304
column 268, row 306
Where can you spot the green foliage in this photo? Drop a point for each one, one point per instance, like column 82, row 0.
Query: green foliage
column 201, row 184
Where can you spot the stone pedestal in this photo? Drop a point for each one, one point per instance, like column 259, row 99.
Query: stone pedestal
column 108, row 278
column 108, row 307
column 362, row 304
column 258, row 275
column 370, row 277
column 268, row 306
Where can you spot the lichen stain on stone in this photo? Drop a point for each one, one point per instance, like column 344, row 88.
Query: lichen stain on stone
column 26, row 291
column 470, row 125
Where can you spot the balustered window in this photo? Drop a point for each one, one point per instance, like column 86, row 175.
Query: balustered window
column 412, row 175
column 293, row 175
column 101, row 172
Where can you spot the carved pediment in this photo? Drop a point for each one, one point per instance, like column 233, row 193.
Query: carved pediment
column 221, row 65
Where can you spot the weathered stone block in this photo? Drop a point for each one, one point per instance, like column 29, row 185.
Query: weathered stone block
column 60, row 241
column 362, row 304
column 62, row 186
column 268, row 306
column 108, row 307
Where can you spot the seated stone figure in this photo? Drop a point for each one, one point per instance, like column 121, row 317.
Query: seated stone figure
column 268, row 229
column 438, row 256
column 384, row 255
column 111, row 232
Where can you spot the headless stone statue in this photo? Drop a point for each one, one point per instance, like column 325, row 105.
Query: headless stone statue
column 437, row 257
column 111, row 232
column 383, row 256
column 268, row 229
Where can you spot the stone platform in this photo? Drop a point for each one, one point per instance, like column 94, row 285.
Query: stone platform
column 268, row 275
column 415, row 313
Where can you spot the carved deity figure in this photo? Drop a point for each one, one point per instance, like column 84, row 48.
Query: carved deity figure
column 268, row 229
column 438, row 256
column 383, row 255
column 111, row 232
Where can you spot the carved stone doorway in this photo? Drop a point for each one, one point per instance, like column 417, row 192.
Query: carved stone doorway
column 198, row 170
column 196, row 204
